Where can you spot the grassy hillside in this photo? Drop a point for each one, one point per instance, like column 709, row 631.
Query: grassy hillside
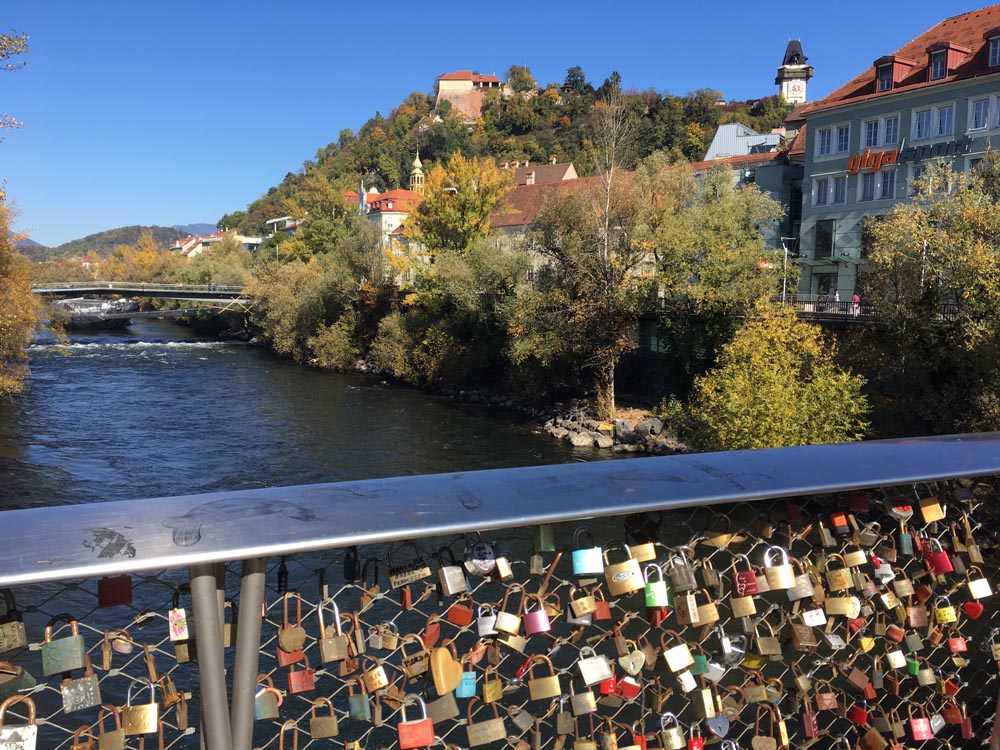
column 103, row 243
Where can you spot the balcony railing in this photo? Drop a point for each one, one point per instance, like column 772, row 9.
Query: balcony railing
column 303, row 547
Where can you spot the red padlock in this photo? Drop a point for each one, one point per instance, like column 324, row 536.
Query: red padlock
column 656, row 616
column 696, row 741
column 858, row 714
column 629, row 688
column 609, row 686
column 744, row 581
column 301, row 680
column 112, row 591
column 419, row 733
column 939, row 561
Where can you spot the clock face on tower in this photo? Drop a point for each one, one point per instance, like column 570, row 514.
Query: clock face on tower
column 796, row 88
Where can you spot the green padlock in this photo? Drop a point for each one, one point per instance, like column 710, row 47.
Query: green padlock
column 63, row 654
column 657, row 593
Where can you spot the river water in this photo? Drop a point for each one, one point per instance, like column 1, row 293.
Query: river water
column 157, row 410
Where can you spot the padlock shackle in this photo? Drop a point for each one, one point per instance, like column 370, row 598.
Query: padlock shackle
column 294, row 726
column 336, row 616
column 473, row 701
column 298, row 608
column 181, row 588
column 369, row 562
column 18, row 698
column 9, row 604
column 408, row 699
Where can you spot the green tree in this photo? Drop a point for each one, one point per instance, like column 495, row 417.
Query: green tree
column 458, row 201
column 520, row 80
column 600, row 277
column 776, row 384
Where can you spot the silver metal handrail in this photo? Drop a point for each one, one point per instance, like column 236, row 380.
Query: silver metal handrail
column 96, row 539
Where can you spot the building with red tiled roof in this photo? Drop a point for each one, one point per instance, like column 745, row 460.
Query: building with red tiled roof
column 937, row 96
column 464, row 91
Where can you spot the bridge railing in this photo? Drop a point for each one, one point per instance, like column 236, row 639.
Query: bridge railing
column 381, row 551
column 132, row 285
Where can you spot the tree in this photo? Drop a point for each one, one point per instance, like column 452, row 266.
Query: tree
column 458, row 201
column 17, row 307
column 777, row 384
column 596, row 272
column 576, row 81
column 520, row 80
column 11, row 45
column 933, row 274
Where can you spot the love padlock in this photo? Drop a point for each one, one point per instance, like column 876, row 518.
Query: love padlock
column 781, row 574
column 587, row 561
column 656, row 591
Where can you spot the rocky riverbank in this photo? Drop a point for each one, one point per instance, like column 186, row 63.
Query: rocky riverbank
column 642, row 433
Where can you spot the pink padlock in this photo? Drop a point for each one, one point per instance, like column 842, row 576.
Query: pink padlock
column 536, row 621
column 939, row 561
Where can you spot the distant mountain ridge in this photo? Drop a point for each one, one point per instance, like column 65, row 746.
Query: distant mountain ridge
column 104, row 242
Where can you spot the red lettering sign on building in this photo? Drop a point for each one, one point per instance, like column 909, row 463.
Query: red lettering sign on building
column 869, row 161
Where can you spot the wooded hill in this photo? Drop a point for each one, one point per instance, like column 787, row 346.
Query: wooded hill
column 535, row 123
column 102, row 243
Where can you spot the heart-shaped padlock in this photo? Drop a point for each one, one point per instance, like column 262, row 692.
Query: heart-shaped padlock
column 718, row 725
column 632, row 662
column 972, row 609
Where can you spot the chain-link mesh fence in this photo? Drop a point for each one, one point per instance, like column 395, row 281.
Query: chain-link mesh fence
column 866, row 634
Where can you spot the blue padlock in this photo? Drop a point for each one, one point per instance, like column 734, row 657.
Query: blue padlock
column 587, row 561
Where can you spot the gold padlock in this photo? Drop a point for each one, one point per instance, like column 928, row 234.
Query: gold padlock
column 780, row 575
column 142, row 718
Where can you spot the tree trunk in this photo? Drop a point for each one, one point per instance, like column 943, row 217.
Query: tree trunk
column 604, row 396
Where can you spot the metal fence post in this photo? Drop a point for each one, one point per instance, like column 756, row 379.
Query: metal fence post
column 216, row 732
column 247, row 652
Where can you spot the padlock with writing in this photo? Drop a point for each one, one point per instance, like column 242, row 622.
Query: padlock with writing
column 141, row 718
column 778, row 569
column 12, row 632
column 681, row 573
column 451, row 575
column 744, row 581
column 333, row 644
column 671, row 732
column 625, row 577
column 18, row 736
column 404, row 572
column 418, row 732
column 944, row 612
column 594, row 667
column 64, row 654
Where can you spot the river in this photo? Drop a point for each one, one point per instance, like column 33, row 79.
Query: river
column 158, row 410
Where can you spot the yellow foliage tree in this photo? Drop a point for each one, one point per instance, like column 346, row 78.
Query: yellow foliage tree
column 458, row 201
column 777, row 384
column 17, row 308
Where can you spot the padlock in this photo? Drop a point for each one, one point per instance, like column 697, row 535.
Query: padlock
column 289, row 727
column 979, row 588
column 839, row 523
column 415, row 662
column 177, row 617
column 301, row 680
column 18, row 736
column 677, row 657
column 113, row 739
column 323, row 726
column 333, row 644
column 944, row 612
column 931, row 508
column 492, row 688
column 13, row 679
column 417, row 733
column 584, row 702
column 451, row 575
column 804, row 587
column 292, row 636
column 83, row 739
column 780, row 575
column 404, row 572
column 373, row 674
column 12, row 632
column 369, row 591
column 467, row 685
column 708, row 613
column 939, row 561
column 63, row 654
column 141, row 718
column 581, row 608
column 603, row 611
column 681, row 573
column 535, row 621
column 480, row 557
column 114, row 590
column 671, row 732
column 587, row 561
column 484, row 732
column 507, row 622
column 358, row 706
column 686, row 608
column 837, row 579
column 625, row 577
column 920, row 725
column 718, row 531
column 486, row 621
column 744, row 581
column 854, row 557
column 81, row 692
column 594, row 668
column 956, row 642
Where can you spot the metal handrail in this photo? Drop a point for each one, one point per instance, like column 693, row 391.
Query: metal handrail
column 190, row 530
column 132, row 285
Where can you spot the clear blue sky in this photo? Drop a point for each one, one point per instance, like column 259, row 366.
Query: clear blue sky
column 156, row 112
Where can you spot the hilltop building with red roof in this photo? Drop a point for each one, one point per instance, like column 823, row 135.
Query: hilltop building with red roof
column 464, row 91
column 937, row 96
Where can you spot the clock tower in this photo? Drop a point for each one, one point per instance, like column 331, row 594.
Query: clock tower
column 794, row 73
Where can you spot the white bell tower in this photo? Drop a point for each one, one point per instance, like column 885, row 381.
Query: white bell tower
column 794, row 73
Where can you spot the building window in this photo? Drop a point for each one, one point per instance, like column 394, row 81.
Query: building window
column 994, row 52
column 974, row 164
column 843, row 138
column 868, row 186
column 889, row 184
column 979, row 114
column 822, row 190
column 823, row 146
column 939, row 64
column 871, row 134
column 916, row 172
column 839, row 189
column 824, row 239
column 891, row 130
column 922, row 125
column 885, row 77
column 946, row 120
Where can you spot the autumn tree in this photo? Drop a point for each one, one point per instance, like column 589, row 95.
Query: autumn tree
column 776, row 384
column 933, row 274
column 595, row 272
column 458, row 201
column 17, row 307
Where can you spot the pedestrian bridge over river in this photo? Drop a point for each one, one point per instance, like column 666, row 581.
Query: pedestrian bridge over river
column 234, row 295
